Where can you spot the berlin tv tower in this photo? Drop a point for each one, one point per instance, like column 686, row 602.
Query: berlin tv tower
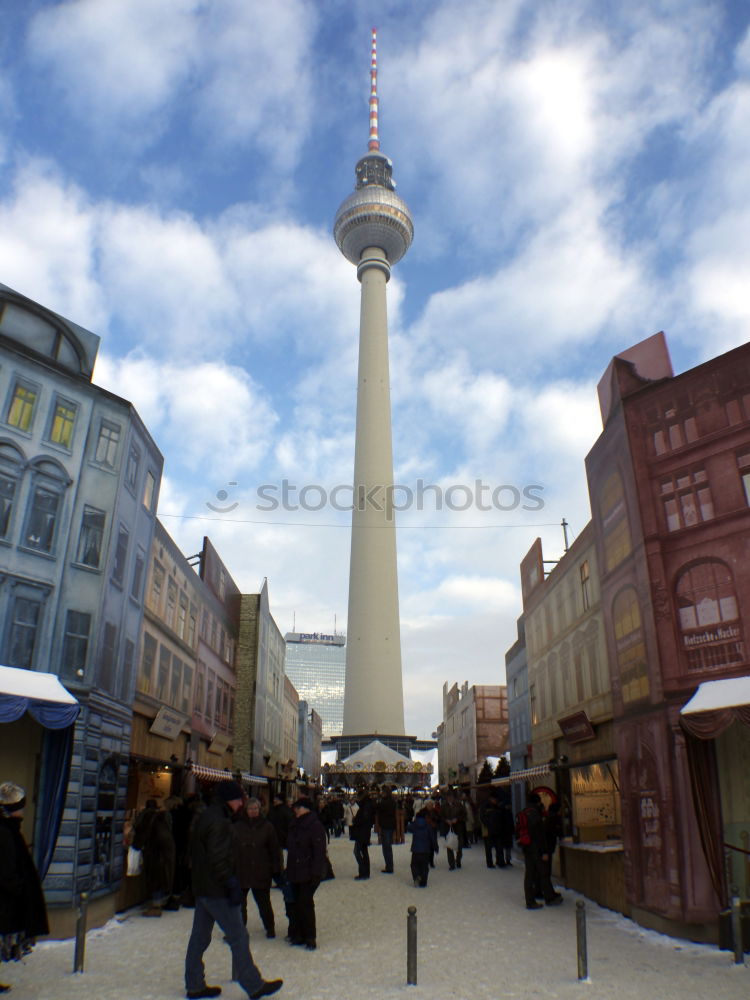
column 373, row 229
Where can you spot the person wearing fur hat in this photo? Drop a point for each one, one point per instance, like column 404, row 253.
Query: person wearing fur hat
column 218, row 898
column 23, row 913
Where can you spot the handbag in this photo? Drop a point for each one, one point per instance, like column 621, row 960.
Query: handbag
column 135, row 861
column 451, row 840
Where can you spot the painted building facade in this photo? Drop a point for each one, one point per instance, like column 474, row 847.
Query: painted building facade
column 668, row 482
column 474, row 726
column 79, row 484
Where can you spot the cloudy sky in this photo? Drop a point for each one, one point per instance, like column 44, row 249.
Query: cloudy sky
column 579, row 177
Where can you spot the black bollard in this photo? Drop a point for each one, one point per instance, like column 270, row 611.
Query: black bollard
column 411, row 946
column 583, row 960
column 80, row 950
column 739, row 950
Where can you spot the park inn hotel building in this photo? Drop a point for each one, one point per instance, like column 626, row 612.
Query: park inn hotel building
column 316, row 665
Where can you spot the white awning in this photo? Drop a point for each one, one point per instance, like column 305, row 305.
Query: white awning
column 214, row 774
column 34, row 684
column 711, row 695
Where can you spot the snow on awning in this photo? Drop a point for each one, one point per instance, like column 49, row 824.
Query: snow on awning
column 715, row 706
column 215, row 774
column 728, row 693
column 528, row 772
column 38, row 693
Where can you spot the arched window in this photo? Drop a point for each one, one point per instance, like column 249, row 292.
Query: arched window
column 614, row 520
column 48, row 485
column 709, row 616
column 11, row 470
column 630, row 645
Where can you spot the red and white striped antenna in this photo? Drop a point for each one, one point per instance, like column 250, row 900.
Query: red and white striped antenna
column 374, row 142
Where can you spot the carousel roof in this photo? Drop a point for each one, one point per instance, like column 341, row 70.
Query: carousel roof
column 376, row 751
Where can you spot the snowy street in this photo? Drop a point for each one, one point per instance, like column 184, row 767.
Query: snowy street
column 476, row 940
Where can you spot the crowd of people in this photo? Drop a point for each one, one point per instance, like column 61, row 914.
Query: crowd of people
column 211, row 851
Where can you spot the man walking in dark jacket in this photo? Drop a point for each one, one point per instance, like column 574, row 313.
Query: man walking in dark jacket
column 386, row 819
column 218, row 899
column 305, row 868
column 360, row 833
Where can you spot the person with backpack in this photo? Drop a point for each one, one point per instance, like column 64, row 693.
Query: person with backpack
column 530, row 836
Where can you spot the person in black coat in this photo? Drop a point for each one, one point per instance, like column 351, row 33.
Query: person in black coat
column 280, row 816
column 23, row 914
column 385, row 814
column 424, row 844
column 359, row 832
column 305, row 869
column 536, row 858
column 218, row 898
column 259, row 859
column 152, row 834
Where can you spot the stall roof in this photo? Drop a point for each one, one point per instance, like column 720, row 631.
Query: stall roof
column 711, row 695
column 34, row 684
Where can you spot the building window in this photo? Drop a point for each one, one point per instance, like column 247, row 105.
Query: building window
column 175, row 691
column 585, row 585
column 171, row 602
column 91, row 537
column 614, row 520
column 670, row 429
column 126, row 674
column 75, row 644
column 23, row 628
column 157, row 585
column 137, row 584
column 162, row 685
column 182, row 615
column 709, row 616
column 187, row 683
column 21, row 406
column 11, row 467
column 121, row 555
column 146, row 675
column 200, row 689
column 149, row 491
column 210, row 695
column 109, row 657
column 131, row 472
column 107, row 445
column 192, row 621
column 686, row 499
column 630, row 646
column 62, row 423
column 743, row 464
column 42, row 519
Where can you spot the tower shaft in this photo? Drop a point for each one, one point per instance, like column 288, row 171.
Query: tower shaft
column 373, row 700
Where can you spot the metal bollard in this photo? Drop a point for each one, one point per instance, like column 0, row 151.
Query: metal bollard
column 80, row 951
column 739, row 944
column 411, row 946
column 583, row 960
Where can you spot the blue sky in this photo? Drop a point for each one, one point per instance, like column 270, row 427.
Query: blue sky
column 578, row 176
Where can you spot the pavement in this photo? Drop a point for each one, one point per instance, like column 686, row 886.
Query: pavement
column 475, row 940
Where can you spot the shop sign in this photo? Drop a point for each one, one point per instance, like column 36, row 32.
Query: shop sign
column 168, row 723
column 577, row 727
column 219, row 744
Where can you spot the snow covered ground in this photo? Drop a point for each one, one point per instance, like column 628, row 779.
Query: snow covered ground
column 476, row 941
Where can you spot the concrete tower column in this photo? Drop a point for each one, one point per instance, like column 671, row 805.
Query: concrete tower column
column 373, row 699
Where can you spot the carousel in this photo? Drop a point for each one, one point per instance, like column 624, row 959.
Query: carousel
column 377, row 764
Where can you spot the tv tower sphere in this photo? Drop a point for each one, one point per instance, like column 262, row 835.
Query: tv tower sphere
column 373, row 215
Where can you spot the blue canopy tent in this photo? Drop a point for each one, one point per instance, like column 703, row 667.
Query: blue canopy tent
column 53, row 707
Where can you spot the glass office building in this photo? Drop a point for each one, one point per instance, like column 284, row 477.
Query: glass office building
column 316, row 665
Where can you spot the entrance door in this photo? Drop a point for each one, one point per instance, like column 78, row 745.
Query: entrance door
column 20, row 753
column 733, row 762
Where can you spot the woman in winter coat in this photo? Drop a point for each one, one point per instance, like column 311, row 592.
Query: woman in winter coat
column 23, row 914
column 424, row 844
column 258, row 860
column 152, row 834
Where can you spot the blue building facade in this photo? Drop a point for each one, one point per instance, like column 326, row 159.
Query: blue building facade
column 79, row 484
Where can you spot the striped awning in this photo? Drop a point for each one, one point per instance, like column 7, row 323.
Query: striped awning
column 214, row 774
column 524, row 775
